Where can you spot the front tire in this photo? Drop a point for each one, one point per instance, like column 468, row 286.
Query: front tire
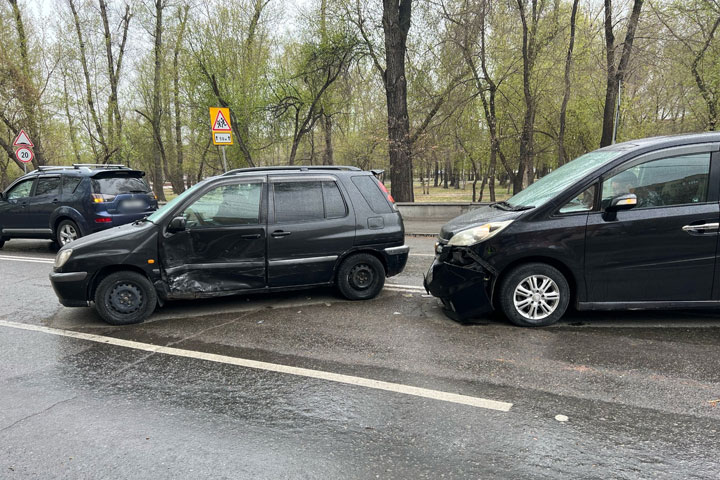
column 66, row 232
column 124, row 298
column 534, row 295
column 361, row 277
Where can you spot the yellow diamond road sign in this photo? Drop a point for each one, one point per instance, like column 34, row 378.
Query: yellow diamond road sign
column 220, row 126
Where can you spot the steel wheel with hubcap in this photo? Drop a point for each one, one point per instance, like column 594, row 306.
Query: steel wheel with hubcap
column 360, row 277
column 535, row 294
column 125, row 297
column 67, row 231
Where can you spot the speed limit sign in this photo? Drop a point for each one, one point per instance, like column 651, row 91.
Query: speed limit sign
column 24, row 154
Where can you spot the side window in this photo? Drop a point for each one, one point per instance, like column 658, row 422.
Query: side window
column 372, row 194
column 581, row 203
column 70, row 184
column 226, row 205
column 298, row 201
column 47, row 186
column 334, row 203
column 668, row 181
column 21, row 190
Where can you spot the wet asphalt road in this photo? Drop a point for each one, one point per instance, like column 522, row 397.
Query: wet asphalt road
column 639, row 389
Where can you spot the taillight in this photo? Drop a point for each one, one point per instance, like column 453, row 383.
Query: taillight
column 103, row 220
column 385, row 191
column 100, row 198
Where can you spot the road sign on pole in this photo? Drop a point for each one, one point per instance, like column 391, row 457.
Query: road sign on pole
column 22, row 140
column 24, row 154
column 221, row 129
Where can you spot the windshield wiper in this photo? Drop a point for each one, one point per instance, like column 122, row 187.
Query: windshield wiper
column 513, row 208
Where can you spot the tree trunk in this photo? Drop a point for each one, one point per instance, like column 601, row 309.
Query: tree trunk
column 615, row 75
column 178, row 172
column 158, row 149
column 327, row 128
column 562, row 155
column 396, row 24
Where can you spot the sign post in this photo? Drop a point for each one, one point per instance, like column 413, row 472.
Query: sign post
column 221, row 130
column 24, row 153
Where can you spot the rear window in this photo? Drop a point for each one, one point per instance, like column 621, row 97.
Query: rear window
column 372, row 194
column 70, row 184
column 116, row 185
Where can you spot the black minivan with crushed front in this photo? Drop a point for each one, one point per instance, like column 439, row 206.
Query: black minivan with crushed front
column 65, row 203
column 630, row 226
column 248, row 230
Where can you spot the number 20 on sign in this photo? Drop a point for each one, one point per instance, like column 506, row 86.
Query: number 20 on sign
column 24, row 154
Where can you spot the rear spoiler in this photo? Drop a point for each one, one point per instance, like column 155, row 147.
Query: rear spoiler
column 377, row 173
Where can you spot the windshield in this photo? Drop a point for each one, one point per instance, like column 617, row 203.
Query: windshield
column 561, row 178
column 163, row 211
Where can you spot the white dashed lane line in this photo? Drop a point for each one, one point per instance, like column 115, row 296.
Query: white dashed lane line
column 273, row 367
column 12, row 258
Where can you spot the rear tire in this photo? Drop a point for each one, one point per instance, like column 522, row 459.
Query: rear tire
column 534, row 295
column 124, row 298
column 361, row 277
column 66, row 232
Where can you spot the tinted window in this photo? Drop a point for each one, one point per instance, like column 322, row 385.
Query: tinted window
column 667, row 181
column 70, row 184
column 47, row 186
column 119, row 184
column 21, row 190
column 334, row 203
column 372, row 194
column 298, row 201
column 237, row 204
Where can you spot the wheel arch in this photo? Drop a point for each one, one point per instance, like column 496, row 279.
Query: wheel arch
column 371, row 251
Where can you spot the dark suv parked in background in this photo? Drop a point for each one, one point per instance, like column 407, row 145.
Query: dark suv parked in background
column 249, row 230
column 65, row 203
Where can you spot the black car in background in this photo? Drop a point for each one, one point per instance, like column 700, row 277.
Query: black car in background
column 249, row 230
column 66, row 203
column 633, row 225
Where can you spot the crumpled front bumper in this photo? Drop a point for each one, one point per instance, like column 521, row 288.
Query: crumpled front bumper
column 462, row 289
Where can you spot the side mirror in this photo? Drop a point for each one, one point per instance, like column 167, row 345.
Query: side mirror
column 177, row 224
column 622, row 202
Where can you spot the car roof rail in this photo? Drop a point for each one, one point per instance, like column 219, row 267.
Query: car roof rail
column 99, row 165
column 300, row 168
column 48, row 168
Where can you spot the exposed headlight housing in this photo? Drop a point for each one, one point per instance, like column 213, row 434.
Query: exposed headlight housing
column 474, row 235
column 62, row 257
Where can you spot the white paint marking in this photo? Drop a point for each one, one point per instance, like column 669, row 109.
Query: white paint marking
column 412, row 287
column 422, row 254
column 273, row 367
column 27, row 259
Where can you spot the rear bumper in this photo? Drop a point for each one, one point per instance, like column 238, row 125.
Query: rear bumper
column 463, row 290
column 70, row 288
column 396, row 258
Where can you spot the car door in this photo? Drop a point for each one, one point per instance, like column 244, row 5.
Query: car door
column 222, row 248
column 310, row 228
column 14, row 207
column 45, row 199
column 664, row 249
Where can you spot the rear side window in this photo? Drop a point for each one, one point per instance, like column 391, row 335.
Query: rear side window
column 47, row 186
column 119, row 184
column 298, row 201
column 334, row 203
column 371, row 193
column 70, row 184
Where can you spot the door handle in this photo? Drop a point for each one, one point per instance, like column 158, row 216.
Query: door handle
column 705, row 227
column 251, row 236
column 55, row 200
column 280, row 233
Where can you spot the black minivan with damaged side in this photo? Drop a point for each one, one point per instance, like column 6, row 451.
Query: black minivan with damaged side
column 248, row 230
column 630, row 226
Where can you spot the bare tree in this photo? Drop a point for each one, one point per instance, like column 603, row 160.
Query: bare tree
column 562, row 155
column 616, row 73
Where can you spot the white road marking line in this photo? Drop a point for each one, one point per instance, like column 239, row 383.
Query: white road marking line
column 273, row 367
column 422, row 254
column 27, row 259
column 414, row 287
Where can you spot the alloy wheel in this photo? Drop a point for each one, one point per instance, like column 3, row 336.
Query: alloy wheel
column 536, row 297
